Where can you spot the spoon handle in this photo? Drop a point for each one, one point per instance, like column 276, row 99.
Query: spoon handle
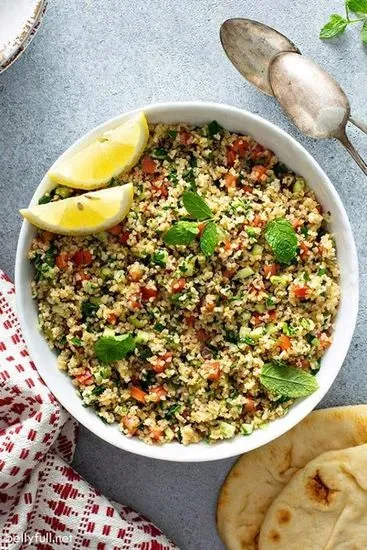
column 361, row 125
column 353, row 152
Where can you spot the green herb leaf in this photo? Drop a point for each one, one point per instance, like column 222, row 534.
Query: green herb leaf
column 196, row 206
column 282, row 238
column 76, row 342
column 160, row 257
column 364, row 32
column 98, row 390
column 181, row 233
column 113, row 348
column 209, row 239
column 214, row 128
column 160, row 153
column 45, row 199
column 172, row 133
column 288, row 381
column 335, row 26
column 357, row 6
column 88, row 309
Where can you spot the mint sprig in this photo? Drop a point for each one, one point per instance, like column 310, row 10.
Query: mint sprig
column 184, row 232
column 282, row 238
column 338, row 23
column 113, row 348
column 280, row 379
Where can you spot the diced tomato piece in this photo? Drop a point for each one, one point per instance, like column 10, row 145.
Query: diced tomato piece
column 131, row 423
column 159, row 391
column 47, row 236
column 83, row 276
column 300, row 291
column 201, row 228
column 185, row 137
column 212, row 370
column 167, row 356
column 258, row 221
column 297, row 223
column 162, row 362
column 147, row 293
column 179, row 285
column 231, row 157
column 304, row 250
column 256, row 318
column 138, row 394
column 227, row 245
column 270, row 270
column 115, row 230
column 111, row 319
column 250, row 406
column 257, row 172
column 161, row 190
column 85, row 378
column 135, row 273
column 190, row 320
column 284, row 342
column 256, row 151
column 124, row 237
column 148, row 165
column 247, row 188
column 135, row 304
column 241, row 147
column 230, row 180
column 156, row 434
column 82, row 257
column 62, row 259
column 272, row 314
column 202, row 335
column 229, row 273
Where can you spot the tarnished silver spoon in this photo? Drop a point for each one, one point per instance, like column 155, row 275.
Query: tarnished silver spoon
column 251, row 45
column 312, row 99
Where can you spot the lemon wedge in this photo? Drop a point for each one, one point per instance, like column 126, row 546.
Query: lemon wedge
column 85, row 214
column 108, row 156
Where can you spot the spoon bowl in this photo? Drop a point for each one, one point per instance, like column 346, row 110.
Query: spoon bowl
column 312, row 99
column 251, row 46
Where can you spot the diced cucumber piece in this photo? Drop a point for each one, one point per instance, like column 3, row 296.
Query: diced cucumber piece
column 279, row 280
column 244, row 273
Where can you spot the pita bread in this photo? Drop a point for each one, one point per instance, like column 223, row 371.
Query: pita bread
column 259, row 476
column 324, row 506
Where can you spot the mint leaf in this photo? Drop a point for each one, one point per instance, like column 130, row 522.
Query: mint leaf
column 364, row 32
column 335, row 26
column 196, row 206
column 113, row 348
column 181, row 233
column 282, row 238
column 209, row 239
column 288, row 381
column 357, row 6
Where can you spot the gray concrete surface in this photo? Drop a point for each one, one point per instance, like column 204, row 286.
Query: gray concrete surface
column 95, row 59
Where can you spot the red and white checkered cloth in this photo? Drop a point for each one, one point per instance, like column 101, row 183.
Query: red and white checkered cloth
column 44, row 503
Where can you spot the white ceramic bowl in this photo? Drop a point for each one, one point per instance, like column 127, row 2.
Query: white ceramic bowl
column 296, row 158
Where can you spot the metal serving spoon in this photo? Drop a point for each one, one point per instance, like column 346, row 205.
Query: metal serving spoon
column 312, row 99
column 251, row 46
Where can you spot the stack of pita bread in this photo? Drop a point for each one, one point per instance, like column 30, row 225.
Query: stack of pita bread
column 305, row 490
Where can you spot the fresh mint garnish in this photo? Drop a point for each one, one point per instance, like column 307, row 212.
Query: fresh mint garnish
column 196, row 206
column 209, row 239
column 338, row 23
column 182, row 233
column 113, row 348
column 280, row 379
column 282, row 239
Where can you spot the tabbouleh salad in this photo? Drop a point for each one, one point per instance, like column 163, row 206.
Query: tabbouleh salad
column 206, row 312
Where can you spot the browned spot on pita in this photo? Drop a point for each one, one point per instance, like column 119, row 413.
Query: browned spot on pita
column 318, row 490
column 274, row 536
column 235, row 474
column 361, row 427
column 256, row 541
column 284, row 516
